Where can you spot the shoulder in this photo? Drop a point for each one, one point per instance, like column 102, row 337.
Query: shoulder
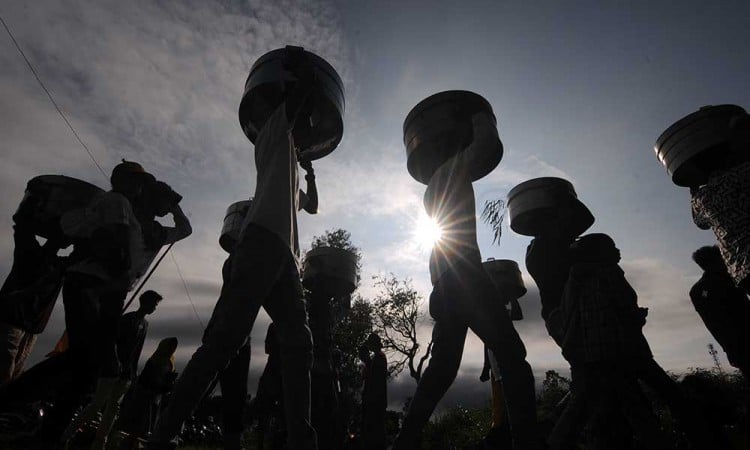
column 113, row 198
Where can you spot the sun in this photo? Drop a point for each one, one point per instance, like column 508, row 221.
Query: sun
column 427, row 232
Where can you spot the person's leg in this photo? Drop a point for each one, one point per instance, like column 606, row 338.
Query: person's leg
column 255, row 267
column 233, row 381
column 492, row 325
column 324, row 403
column 111, row 411
column 104, row 390
column 10, row 343
column 636, row 409
column 38, row 383
column 81, row 323
column 24, row 350
column 288, row 311
column 577, row 410
column 447, row 349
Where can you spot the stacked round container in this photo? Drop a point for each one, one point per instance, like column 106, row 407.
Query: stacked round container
column 537, row 204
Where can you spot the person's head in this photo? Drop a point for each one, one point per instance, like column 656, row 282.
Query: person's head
column 128, row 178
column 168, row 345
column 373, row 342
column 148, row 301
column 595, row 248
column 165, row 350
column 709, row 259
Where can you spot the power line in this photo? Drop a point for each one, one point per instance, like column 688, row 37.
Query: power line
column 91, row 155
column 184, row 284
column 57, row 107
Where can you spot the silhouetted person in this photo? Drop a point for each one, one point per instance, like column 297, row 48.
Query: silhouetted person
column 107, row 257
column 610, row 331
column 140, row 405
column 131, row 334
column 722, row 203
column 374, row 394
column 464, row 297
column 723, row 307
column 598, row 325
column 263, row 272
column 28, row 294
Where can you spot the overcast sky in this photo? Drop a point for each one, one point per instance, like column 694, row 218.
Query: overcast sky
column 581, row 90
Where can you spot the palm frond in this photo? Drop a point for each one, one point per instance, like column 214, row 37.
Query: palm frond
column 493, row 215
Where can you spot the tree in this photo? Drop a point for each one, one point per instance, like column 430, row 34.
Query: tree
column 396, row 314
column 348, row 334
column 554, row 389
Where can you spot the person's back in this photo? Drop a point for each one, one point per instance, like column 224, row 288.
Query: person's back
column 548, row 264
column 723, row 307
column 722, row 205
column 449, row 200
column 601, row 306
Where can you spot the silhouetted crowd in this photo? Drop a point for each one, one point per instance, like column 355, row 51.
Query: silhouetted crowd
column 589, row 308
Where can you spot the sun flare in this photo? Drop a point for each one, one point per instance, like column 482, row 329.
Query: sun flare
column 427, row 232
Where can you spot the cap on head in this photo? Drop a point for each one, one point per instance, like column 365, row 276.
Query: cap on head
column 130, row 170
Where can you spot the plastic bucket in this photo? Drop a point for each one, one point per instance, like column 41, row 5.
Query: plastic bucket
column 233, row 220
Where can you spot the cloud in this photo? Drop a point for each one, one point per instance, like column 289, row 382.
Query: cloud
column 154, row 82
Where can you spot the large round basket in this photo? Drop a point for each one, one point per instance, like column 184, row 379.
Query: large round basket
column 331, row 269
column 535, row 205
column 53, row 196
column 694, row 145
column 439, row 118
column 272, row 77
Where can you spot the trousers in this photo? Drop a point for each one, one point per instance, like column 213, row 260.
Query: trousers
column 605, row 394
column 92, row 314
column 459, row 302
column 261, row 272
